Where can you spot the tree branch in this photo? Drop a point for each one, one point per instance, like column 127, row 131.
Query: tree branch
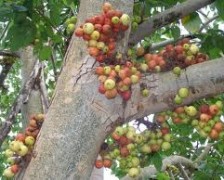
column 164, row 86
column 4, row 31
column 203, row 154
column 166, row 17
column 6, row 62
column 171, row 175
column 183, row 172
column 20, row 100
column 4, row 73
column 53, row 65
column 207, row 23
column 156, row 46
column 171, row 160
column 9, row 53
column 44, row 94
column 174, row 160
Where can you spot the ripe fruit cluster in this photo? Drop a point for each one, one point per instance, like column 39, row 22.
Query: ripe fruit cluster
column 209, row 122
column 182, row 54
column 172, row 57
column 101, row 32
column 128, row 148
column 206, row 118
column 116, row 75
column 153, row 63
column 21, row 147
column 117, row 80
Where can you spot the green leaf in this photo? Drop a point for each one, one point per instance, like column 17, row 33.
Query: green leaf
column 45, row 53
column 57, row 39
column 214, row 53
column 175, row 31
column 192, row 22
column 21, row 35
column 55, row 13
column 69, row 2
column 212, row 42
column 156, row 160
column 20, row 18
column 199, row 175
column 220, row 7
column 162, row 176
column 5, row 13
column 220, row 147
column 29, row 5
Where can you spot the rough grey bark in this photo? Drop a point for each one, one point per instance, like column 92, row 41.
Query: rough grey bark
column 203, row 80
column 167, row 17
column 34, row 104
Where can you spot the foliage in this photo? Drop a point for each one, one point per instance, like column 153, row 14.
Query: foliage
column 35, row 22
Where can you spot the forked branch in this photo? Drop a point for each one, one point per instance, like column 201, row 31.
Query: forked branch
column 166, row 17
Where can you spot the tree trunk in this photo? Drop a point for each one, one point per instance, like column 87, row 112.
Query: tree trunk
column 79, row 117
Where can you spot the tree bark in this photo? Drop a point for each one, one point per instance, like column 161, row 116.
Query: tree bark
column 203, row 80
column 166, row 17
column 34, row 105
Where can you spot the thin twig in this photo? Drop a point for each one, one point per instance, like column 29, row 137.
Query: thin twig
column 44, row 94
column 4, row 31
column 207, row 22
column 50, row 23
column 183, row 172
column 171, row 175
column 53, row 64
column 4, row 74
column 203, row 14
column 203, row 154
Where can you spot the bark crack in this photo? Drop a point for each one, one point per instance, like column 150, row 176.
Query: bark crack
column 85, row 68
